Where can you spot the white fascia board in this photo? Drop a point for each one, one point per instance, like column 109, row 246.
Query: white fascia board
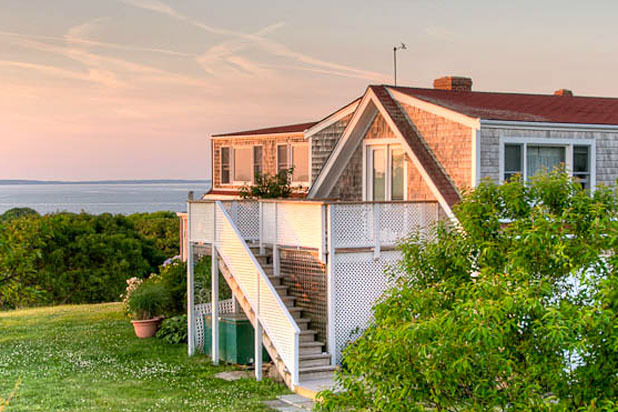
column 332, row 119
column 438, row 110
column 257, row 136
column 507, row 124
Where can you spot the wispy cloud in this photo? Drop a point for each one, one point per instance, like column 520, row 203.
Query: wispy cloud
column 241, row 40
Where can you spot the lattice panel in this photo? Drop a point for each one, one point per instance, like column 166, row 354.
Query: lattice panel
column 359, row 281
column 363, row 224
column 225, row 306
column 201, row 222
column 246, row 216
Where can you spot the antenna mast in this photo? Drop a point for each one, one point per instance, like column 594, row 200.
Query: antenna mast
column 402, row 46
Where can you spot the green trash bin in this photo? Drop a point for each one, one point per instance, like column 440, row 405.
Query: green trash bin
column 236, row 339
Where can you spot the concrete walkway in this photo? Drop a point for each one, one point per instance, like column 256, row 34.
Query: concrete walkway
column 291, row 403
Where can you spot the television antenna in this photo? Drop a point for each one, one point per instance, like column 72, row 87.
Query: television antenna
column 402, row 46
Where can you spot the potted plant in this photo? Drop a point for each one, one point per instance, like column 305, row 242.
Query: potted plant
column 146, row 304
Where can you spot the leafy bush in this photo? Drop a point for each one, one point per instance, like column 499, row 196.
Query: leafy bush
column 513, row 310
column 161, row 228
column 72, row 258
column 173, row 330
column 268, row 186
column 17, row 212
column 148, row 300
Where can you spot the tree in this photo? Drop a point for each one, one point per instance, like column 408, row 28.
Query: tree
column 17, row 212
column 514, row 309
column 269, row 186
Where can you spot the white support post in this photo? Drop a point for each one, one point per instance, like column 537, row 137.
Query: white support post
column 276, row 242
column 322, row 251
column 330, row 285
column 214, row 300
column 376, row 230
column 215, row 306
column 261, row 218
column 258, row 335
column 190, row 288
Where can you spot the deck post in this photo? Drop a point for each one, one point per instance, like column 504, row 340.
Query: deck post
column 258, row 335
column 214, row 275
column 261, row 218
column 376, row 230
column 190, row 288
column 276, row 242
column 330, row 285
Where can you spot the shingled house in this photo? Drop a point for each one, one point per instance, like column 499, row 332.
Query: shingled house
column 307, row 271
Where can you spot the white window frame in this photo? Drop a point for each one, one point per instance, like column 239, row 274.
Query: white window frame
column 231, row 171
column 566, row 143
column 290, row 163
column 388, row 145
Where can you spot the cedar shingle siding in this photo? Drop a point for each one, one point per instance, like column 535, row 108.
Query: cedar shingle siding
column 323, row 143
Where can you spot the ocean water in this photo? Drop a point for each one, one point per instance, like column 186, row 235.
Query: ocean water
column 99, row 198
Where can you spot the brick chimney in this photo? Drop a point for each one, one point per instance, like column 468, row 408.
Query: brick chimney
column 462, row 84
column 564, row 92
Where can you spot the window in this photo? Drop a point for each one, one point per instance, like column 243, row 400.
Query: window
column 581, row 165
column 386, row 172
column 529, row 157
column 243, row 169
column 225, row 165
column 282, row 157
column 300, row 162
column 258, row 163
column 294, row 155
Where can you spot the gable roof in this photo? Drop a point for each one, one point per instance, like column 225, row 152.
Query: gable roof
column 418, row 145
column 290, row 128
column 521, row 107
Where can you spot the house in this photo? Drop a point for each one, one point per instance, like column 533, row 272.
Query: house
column 306, row 272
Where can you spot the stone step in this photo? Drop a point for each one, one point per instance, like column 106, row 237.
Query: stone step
column 309, row 361
column 310, row 348
column 307, row 335
column 316, row 372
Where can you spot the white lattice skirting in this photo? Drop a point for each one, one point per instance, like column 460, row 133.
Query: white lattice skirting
column 225, row 306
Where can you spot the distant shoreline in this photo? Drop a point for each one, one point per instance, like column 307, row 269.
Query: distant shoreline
column 99, row 182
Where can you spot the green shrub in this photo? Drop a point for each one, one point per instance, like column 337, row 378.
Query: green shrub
column 513, row 310
column 17, row 212
column 148, row 300
column 173, row 330
column 268, row 186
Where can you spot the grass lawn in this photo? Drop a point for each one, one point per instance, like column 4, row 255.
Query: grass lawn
column 87, row 358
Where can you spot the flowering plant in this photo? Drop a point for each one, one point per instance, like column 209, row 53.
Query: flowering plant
column 132, row 284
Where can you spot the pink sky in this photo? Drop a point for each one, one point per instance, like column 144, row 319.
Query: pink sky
column 130, row 89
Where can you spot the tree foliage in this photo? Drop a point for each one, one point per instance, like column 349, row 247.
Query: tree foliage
column 268, row 186
column 515, row 309
column 77, row 258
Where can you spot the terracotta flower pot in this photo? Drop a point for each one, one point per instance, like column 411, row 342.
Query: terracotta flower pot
column 146, row 328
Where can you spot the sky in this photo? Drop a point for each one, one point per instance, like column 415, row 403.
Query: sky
column 131, row 89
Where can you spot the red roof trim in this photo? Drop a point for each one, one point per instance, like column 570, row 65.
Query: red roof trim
column 291, row 128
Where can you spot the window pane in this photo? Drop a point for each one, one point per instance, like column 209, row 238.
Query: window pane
column 512, row 159
column 379, row 174
column 242, row 164
column 225, row 165
column 282, row 158
column 257, row 161
column 543, row 158
column 397, row 177
column 300, row 162
column 581, row 162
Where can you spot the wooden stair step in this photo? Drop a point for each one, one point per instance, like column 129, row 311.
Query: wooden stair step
column 307, row 335
column 312, row 360
column 316, row 372
column 282, row 290
column 309, row 348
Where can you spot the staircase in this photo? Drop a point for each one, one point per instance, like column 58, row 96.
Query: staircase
column 315, row 364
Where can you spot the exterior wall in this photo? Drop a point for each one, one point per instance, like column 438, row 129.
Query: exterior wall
column 305, row 277
column 323, row 143
column 450, row 142
column 606, row 150
column 269, row 144
column 350, row 184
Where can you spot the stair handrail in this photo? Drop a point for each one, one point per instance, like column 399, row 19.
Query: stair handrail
column 294, row 367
